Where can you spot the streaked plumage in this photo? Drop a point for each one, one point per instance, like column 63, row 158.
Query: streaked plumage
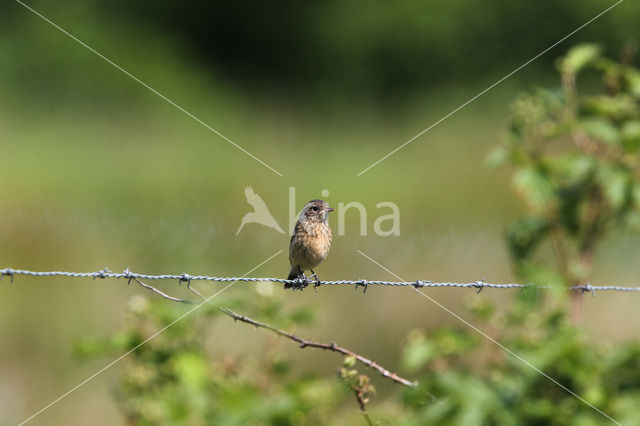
column 311, row 239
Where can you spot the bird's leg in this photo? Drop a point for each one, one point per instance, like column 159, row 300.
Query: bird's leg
column 317, row 284
column 303, row 280
column 301, row 275
column 314, row 276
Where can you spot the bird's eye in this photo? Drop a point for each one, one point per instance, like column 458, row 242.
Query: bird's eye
column 314, row 208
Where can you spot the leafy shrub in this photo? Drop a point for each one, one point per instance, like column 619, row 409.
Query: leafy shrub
column 577, row 170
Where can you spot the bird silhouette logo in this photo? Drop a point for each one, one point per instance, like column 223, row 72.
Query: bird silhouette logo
column 260, row 213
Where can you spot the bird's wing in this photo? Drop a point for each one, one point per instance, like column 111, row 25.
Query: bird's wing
column 297, row 230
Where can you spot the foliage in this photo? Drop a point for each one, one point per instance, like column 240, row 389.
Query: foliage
column 175, row 379
column 464, row 378
column 470, row 380
column 576, row 169
column 576, row 165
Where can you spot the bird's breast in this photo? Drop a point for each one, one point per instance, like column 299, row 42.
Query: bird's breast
column 308, row 249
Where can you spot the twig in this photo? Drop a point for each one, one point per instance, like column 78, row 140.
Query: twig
column 195, row 291
column 161, row 293
column 326, row 346
column 361, row 392
column 363, row 408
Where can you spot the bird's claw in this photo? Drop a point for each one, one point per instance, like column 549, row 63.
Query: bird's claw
column 317, row 283
column 300, row 283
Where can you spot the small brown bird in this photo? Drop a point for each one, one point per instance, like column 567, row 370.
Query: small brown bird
column 310, row 241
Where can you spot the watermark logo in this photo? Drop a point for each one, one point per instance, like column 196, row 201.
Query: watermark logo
column 384, row 225
column 260, row 213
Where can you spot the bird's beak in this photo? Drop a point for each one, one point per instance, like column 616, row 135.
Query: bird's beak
column 330, row 209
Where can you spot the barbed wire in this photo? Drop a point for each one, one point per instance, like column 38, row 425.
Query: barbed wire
column 302, row 283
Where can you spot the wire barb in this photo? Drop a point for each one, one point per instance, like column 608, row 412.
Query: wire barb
column 364, row 284
column 102, row 274
column 187, row 278
column 128, row 275
column 586, row 288
column 419, row 284
column 8, row 272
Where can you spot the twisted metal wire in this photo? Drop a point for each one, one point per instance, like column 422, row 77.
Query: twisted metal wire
column 299, row 283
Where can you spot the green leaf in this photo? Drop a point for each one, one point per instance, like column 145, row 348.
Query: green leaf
column 631, row 136
column 573, row 167
column 418, row 351
column 632, row 77
column 349, row 361
column 525, row 235
column 191, row 369
column 541, row 275
column 616, row 185
column 534, row 187
column 601, row 129
column 578, row 57
column 617, row 107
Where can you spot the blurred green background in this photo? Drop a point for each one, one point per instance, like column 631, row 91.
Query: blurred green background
column 97, row 171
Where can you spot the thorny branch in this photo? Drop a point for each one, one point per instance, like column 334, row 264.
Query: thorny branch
column 166, row 296
column 303, row 342
column 326, row 346
column 160, row 292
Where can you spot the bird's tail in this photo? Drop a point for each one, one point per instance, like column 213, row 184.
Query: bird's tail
column 293, row 274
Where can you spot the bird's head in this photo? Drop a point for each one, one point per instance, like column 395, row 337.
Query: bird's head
column 315, row 211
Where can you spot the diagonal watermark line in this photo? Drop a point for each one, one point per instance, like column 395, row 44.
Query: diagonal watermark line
column 148, row 87
column 518, row 357
column 490, row 87
column 64, row 395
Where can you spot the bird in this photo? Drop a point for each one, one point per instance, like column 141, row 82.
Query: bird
column 311, row 240
column 260, row 213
